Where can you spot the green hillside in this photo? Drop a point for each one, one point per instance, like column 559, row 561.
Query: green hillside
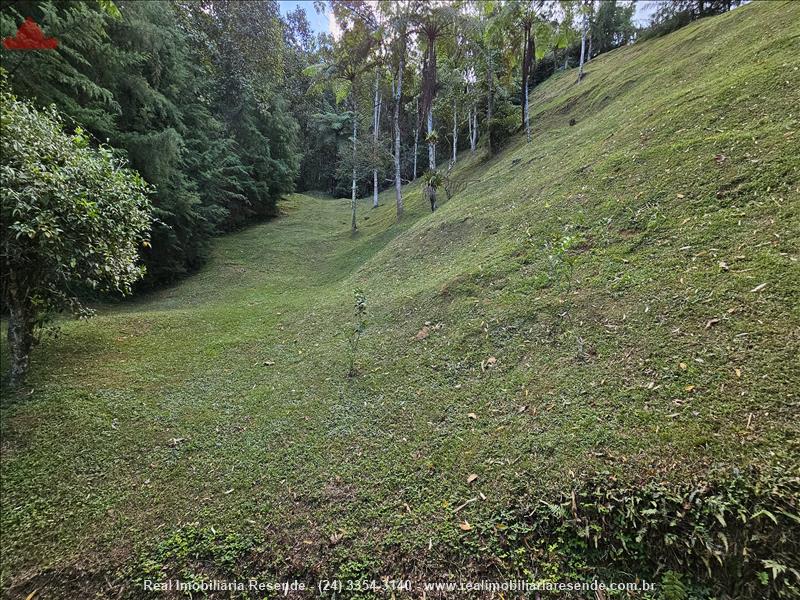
column 603, row 325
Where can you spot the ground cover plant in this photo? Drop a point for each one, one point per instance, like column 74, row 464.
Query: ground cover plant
column 582, row 365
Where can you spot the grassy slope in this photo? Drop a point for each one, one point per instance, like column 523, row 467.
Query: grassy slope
column 605, row 358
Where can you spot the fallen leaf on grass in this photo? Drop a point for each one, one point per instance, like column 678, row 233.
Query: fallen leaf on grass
column 689, row 388
column 711, row 322
column 738, row 372
column 489, row 363
column 683, row 366
column 422, row 333
column 465, row 526
column 472, row 416
column 759, row 287
column 472, row 477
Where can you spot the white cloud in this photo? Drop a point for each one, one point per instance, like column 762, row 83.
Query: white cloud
column 333, row 26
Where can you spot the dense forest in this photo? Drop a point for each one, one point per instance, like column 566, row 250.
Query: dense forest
column 183, row 92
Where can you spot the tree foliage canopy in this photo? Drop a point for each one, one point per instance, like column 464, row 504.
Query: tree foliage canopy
column 72, row 216
column 190, row 92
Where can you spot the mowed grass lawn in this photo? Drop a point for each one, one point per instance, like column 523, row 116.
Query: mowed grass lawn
column 584, row 305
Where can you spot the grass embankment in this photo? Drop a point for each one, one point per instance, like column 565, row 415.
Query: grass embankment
column 615, row 302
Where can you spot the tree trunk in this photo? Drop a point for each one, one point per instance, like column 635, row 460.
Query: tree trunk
column 473, row 140
column 430, row 193
column 589, row 53
column 353, row 196
column 469, row 129
column 526, row 32
column 416, row 135
column 472, row 121
column 490, row 125
column 429, row 94
column 374, row 188
column 398, row 183
column 455, row 132
column 531, row 71
column 583, row 47
column 490, row 97
column 376, row 120
column 527, row 117
column 21, row 321
column 431, row 142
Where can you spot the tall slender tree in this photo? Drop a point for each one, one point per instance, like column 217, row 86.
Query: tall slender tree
column 584, row 17
column 528, row 59
column 432, row 22
column 417, row 128
column 376, row 127
column 397, row 26
column 351, row 61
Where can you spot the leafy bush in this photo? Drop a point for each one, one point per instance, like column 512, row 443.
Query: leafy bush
column 737, row 535
column 432, row 179
column 503, row 123
column 72, row 216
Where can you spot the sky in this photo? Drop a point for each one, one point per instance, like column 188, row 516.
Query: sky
column 325, row 23
column 644, row 10
column 319, row 23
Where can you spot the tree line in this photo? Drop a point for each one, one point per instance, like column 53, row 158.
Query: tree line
column 148, row 127
column 224, row 106
column 408, row 85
